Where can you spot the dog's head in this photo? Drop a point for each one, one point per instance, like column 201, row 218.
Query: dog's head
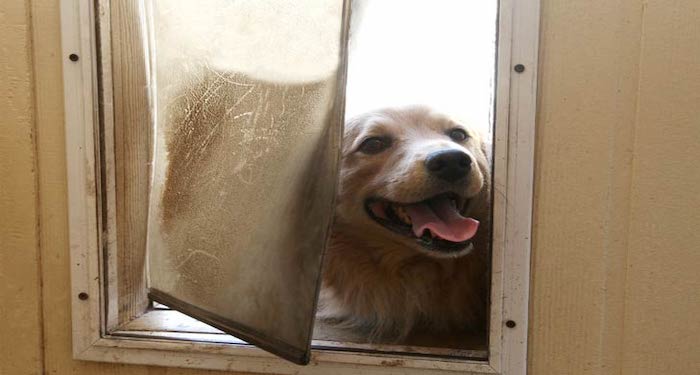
column 413, row 177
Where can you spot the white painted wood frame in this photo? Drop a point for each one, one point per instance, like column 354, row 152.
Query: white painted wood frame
column 513, row 179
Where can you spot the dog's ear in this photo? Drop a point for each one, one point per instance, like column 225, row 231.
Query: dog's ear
column 351, row 131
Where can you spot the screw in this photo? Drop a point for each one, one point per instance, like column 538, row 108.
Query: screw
column 519, row 68
column 510, row 324
column 83, row 296
column 73, row 57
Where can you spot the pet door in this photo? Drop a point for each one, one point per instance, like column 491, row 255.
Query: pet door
column 248, row 118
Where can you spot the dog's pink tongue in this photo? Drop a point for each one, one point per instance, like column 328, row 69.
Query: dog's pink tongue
column 443, row 219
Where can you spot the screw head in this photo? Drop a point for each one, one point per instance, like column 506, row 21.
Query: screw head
column 73, row 57
column 82, row 296
column 519, row 68
column 510, row 324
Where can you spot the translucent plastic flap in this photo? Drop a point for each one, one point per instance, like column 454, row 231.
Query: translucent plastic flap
column 248, row 98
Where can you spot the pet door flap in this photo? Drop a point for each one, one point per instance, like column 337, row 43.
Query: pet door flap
column 248, row 102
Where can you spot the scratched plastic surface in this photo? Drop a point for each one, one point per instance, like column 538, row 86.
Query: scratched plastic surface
column 247, row 136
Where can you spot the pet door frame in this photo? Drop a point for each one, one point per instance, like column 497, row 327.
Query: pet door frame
column 92, row 280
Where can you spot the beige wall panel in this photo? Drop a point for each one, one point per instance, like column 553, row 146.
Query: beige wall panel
column 662, row 328
column 589, row 203
column 20, row 290
column 587, row 93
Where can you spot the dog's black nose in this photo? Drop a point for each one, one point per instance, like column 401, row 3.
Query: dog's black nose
column 449, row 165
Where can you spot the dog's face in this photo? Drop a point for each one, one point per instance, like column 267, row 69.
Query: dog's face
column 411, row 176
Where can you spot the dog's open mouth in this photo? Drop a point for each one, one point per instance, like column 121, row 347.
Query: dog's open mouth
column 435, row 223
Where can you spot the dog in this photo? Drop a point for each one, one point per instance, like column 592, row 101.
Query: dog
column 409, row 248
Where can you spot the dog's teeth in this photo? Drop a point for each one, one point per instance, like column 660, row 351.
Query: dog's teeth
column 435, row 235
column 402, row 214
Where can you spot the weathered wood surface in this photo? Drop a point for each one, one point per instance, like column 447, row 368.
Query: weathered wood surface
column 614, row 281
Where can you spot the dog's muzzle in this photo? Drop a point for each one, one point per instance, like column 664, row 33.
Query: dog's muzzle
column 449, row 165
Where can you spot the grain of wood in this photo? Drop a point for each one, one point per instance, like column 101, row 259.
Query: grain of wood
column 661, row 295
column 585, row 129
column 579, row 293
column 52, row 187
column 20, row 290
column 132, row 145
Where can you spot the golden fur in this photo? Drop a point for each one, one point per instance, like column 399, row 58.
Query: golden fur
column 385, row 283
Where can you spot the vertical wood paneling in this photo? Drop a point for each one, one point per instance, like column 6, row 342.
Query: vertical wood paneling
column 589, row 56
column 615, row 254
column 662, row 328
column 20, row 291
column 51, row 158
column 132, row 145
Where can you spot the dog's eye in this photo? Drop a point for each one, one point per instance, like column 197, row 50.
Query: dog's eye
column 458, row 135
column 374, row 145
